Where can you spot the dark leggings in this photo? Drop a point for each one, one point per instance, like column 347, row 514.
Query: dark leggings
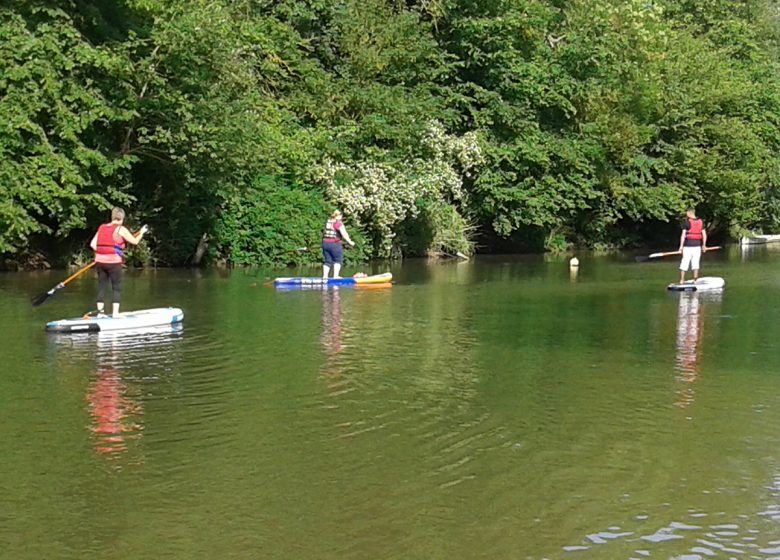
column 105, row 273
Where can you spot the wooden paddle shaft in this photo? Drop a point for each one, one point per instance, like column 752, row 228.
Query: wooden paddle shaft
column 76, row 274
column 670, row 253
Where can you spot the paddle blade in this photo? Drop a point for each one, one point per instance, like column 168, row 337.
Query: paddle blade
column 38, row 300
column 46, row 295
column 43, row 297
column 651, row 257
column 657, row 256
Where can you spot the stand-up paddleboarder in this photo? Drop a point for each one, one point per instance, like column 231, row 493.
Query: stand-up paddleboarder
column 693, row 242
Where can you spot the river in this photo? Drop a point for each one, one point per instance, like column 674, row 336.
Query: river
column 503, row 408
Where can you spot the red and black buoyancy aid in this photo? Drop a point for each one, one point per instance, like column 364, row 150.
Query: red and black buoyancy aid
column 695, row 229
column 330, row 232
column 107, row 243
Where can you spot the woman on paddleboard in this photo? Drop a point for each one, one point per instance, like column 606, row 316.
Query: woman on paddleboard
column 693, row 242
column 109, row 246
column 332, row 250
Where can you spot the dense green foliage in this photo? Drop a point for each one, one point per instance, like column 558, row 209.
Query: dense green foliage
column 234, row 126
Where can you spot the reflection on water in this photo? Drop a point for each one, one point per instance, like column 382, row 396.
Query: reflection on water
column 122, row 359
column 492, row 409
column 114, row 413
column 690, row 322
column 699, row 536
column 710, row 526
column 689, row 325
column 332, row 336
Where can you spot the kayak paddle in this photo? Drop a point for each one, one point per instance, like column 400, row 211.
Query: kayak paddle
column 667, row 254
column 46, row 295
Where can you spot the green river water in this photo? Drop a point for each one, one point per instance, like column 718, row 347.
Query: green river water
column 497, row 409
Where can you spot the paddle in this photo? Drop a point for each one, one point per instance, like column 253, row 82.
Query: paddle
column 46, row 295
column 38, row 300
column 667, row 254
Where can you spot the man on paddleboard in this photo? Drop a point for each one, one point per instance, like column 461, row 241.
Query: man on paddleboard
column 693, row 242
column 109, row 246
column 332, row 250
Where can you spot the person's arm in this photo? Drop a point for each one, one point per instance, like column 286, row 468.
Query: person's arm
column 682, row 241
column 125, row 234
column 93, row 243
column 704, row 240
column 345, row 235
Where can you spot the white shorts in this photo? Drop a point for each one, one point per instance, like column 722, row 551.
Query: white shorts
column 690, row 257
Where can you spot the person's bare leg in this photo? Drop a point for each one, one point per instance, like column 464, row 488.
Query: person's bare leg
column 695, row 274
column 336, row 270
column 325, row 270
column 115, row 309
column 682, row 276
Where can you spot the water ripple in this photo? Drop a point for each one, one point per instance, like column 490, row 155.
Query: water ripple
column 679, row 540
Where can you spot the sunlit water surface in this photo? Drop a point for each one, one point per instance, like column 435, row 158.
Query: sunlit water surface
column 502, row 408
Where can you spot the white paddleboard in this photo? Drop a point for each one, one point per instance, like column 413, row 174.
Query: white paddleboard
column 705, row 283
column 140, row 319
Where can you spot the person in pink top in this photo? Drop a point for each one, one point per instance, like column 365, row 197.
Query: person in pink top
column 332, row 252
column 109, row 245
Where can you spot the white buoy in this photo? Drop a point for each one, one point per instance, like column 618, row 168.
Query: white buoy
column 574, row 268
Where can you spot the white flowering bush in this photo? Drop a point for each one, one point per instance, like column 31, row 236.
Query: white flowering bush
column 381, row 195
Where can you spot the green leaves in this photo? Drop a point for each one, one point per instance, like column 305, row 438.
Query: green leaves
column 591, row 116
column 56, row 165
column 602, row 111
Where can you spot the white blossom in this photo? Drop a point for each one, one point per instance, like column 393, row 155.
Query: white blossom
column 381, row 196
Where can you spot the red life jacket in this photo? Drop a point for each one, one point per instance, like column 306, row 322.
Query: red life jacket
column 107, row 243
column 695, row 228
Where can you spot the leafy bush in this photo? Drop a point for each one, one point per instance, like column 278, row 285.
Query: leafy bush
column 438, row 229
column 270, row 222
column 57, row 165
